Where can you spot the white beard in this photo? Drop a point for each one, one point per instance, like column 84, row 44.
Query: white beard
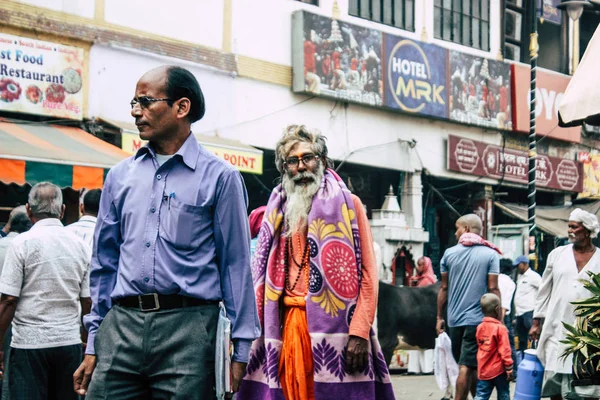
column 299, row 199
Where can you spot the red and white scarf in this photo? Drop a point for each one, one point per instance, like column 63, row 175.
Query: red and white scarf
column 473, row 239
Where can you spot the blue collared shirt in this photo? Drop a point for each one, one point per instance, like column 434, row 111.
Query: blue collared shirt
column 178, row 228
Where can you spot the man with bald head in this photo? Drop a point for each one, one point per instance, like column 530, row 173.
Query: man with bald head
column 44, row 283
column 171, row 241
column 469, row 270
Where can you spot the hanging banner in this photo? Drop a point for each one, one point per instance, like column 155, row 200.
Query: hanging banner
column 41, row 78
column 482, row 159
column 416, row 77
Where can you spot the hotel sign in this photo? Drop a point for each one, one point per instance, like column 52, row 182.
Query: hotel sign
column 483, row 159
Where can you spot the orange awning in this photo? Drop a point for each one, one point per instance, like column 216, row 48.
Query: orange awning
column 67, row 156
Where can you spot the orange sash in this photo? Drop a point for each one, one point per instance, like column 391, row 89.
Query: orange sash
column 296, row 363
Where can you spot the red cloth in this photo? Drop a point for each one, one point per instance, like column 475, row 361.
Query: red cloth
column 503, row 99
column 296, row 360
column 493, row 355
column 336, row 60
column 427, row 277
column 255, row 219
column 309, row 56
column 326, row 66
column 473, row 239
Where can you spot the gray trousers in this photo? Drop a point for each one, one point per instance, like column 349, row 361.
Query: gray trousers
column 166, row 354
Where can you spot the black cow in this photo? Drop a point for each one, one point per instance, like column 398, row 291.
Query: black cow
column 408, row 313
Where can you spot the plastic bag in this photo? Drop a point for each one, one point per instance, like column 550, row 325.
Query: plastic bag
column 446, row 367
column 223, row 353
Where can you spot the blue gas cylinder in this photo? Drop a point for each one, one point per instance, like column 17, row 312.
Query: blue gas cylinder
column 530, row 377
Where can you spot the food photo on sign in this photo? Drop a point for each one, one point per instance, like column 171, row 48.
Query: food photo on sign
column 341, row 60
column 40, row 77
column 480, row 91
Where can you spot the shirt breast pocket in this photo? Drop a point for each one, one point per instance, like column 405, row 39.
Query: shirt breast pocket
column 182, row 224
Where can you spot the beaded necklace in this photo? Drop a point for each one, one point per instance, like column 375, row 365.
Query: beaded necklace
column 304, row 263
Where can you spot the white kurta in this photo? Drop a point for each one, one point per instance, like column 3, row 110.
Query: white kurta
column 560, row 286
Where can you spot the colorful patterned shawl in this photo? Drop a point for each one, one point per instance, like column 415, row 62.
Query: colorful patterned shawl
column 335, row 274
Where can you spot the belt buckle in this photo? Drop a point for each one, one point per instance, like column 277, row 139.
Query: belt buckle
column 154, row 297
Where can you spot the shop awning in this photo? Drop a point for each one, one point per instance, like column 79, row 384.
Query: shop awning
column 67, row 156
column 551, row 219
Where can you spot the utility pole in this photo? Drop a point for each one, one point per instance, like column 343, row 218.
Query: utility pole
column 533, row 53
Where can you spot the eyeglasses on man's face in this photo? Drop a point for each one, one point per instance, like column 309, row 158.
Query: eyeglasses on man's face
column 307, row 159
column 145, row 101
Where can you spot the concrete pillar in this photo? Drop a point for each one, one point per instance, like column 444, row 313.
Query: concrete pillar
column 412, row 199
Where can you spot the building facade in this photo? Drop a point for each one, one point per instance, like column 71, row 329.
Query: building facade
column 410, row 94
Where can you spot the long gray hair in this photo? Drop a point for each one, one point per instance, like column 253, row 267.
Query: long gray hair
column 294, row 134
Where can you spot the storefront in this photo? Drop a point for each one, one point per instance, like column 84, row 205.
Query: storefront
column 559, row 174
column 43, row 88
column 471, row 140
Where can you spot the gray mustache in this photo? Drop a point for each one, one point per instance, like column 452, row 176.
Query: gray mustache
column 303, row 175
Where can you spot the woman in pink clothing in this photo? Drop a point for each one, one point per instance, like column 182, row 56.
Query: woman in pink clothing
column 424, row 275
column 421, row 361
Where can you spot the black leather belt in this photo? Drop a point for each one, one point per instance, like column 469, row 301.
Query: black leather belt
column 154, row 302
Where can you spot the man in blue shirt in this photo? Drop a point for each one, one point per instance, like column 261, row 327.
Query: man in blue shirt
column 171, row 241
column 469, row 270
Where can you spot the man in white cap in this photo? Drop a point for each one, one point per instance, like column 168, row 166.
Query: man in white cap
column 561, row 284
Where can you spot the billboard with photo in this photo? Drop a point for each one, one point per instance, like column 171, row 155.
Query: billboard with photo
column 335, row 59
column 347, row 62
column 41, row 78
column 479, row 91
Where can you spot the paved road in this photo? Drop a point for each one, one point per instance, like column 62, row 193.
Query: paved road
column 421, row 388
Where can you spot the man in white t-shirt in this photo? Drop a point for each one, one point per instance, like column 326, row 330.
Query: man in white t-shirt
column 88, row 207
column 44, row 280
column 528, row 284
column 507, row 290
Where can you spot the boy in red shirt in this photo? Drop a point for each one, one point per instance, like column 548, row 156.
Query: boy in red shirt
column 494, row 361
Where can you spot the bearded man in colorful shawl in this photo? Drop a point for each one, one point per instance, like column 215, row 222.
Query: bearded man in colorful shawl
column 315, row 280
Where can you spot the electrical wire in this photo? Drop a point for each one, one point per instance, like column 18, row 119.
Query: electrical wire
column 259, row 117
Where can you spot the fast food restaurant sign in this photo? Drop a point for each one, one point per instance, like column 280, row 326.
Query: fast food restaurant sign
column 482, row 159
column 41, row 78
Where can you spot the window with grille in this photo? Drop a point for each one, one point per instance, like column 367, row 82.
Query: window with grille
column 466, row 22
column 513, row 30
column 397, row 13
